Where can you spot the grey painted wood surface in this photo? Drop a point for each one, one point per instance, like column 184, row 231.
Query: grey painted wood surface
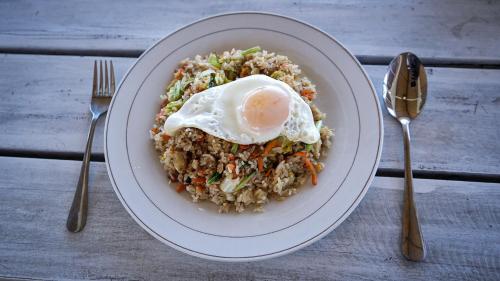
column 449, row 28
column 43, row 109
column 45, row 102
column 460, row 220
column 53, row 92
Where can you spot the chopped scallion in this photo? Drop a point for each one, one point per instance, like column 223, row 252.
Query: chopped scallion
column 174, row 106
column 277, row 74
column 212, row 82
column 251, row 51
column 212, row 59
column 309, row 147
column 215, row 177
column 234, row 148
column 286, row 145
column 244, row 181
column 174, row 93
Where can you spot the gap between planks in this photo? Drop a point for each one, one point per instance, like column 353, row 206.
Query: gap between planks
column 15, row 278
column 491, row 63
column 381, row 172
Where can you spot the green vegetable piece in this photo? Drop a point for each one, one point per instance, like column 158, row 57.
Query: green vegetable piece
column 174, row 106
column 212, row 82
column 175, row 91
column 286, row 145
column 172, row 83
column 277, row 74
column 244, row 181
column 251, row 51
column 219, row 79
column 186, row 82
column 309, row 147
column 212, row 59
column 215, row 177
column 234, row 148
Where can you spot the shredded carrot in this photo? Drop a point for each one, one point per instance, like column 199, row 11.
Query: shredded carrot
column 180, row 187
column 260, row 164
column 244, row 146
column 254, row 154
column 231, row 167
column 244, row 71
column 155, row 131
column 308, row 93
column 270, row 145
column 269, row 172
column 165, row 137
column 310, row 167
column 178, row 75
column 199, row 180
column 301, row 153
column 199, row 188
column 318, row 167
column 164, row 102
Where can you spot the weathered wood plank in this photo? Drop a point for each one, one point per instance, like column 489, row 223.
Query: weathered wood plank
column 460, row 221
column 45, row 102
column 466, row 29
column 458, row 129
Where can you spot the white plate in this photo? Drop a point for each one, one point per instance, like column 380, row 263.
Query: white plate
column 345, row 94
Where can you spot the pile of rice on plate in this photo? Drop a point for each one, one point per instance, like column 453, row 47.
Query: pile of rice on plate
column 205, row 166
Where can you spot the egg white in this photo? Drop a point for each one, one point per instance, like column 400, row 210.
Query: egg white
column 217, row 111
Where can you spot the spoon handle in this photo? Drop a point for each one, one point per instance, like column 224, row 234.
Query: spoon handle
column 412, row 243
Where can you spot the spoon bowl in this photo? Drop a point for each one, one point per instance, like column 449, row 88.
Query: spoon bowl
column 405, row 86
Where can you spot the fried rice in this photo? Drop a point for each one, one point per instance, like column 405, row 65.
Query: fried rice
column 204, row 165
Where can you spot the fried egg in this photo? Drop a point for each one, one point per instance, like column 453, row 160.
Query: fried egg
column 249, row 110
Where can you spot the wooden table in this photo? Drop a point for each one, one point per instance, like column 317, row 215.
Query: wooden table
column 46, row 52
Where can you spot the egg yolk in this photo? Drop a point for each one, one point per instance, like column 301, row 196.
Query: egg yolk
column 266, row 108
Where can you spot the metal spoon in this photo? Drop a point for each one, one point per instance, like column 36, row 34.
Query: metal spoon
column 405, row 91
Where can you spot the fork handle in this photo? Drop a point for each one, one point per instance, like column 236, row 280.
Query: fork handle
column 78, row 213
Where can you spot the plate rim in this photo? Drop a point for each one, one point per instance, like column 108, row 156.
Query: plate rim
column 297, row 246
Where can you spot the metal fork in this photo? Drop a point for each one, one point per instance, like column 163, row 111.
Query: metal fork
column 101, row 97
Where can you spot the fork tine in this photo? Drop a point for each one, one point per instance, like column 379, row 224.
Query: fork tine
column 94, row 80
column 100, row 79
column 112, row 70
column 106, row 80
